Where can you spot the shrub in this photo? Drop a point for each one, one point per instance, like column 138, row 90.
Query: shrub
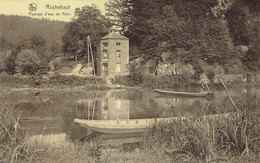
column 16, row 80
column 28, row 62
column 4, row 74
column 154, row 81
column 73, row 80
column 9, row 61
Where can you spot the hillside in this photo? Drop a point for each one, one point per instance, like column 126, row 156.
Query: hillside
column 15, row 29
column 27, row 45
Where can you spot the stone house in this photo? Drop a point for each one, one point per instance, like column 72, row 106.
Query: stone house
column 113, row 55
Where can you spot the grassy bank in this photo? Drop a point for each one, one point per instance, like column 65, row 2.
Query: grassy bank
column 47, row 80
column 198, row 139
column 175, row 81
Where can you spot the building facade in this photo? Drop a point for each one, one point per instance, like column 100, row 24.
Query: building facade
column 113, row 55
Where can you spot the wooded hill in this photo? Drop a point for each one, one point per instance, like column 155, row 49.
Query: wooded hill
column 201, row 34
column 27, row 44
column 17, row 30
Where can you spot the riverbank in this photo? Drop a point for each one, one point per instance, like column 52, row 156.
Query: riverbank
column 177, row 82
column 57, row 81
column 234, row 139
column 181, row 82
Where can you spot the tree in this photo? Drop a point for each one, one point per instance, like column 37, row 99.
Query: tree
column 87, row 21
column 119, row 12
column 9, row 61
column 3, row 56
column 243, row 21
column 29, row 62
column 4, row 44
column 37, row 43
column 183, row 29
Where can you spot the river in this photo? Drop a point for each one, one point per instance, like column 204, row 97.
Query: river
column 48, row 115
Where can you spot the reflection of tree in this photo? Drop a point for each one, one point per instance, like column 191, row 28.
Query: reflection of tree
column 143, row 108
column 182, row 106
column 127, row 94
column 89, row 109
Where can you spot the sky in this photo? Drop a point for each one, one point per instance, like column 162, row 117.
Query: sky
column 21, row 7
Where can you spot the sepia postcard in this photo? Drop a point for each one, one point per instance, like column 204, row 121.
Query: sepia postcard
column 138, row 81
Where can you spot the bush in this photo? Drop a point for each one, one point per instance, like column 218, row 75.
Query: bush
column 4, row 74
column 73, row 80
column 153, row 81
column 8, row 61
column 29, row 62
column 16, row 80
column 2, row 62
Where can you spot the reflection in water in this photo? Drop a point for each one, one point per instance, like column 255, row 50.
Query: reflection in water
column 57, row 109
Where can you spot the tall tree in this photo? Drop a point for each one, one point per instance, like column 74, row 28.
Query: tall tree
column 185, row 28
column 119, row 12
column 87, row 21
column 243, row 20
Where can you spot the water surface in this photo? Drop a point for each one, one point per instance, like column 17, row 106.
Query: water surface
column 48, row 114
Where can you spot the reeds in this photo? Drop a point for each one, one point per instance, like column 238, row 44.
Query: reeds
column 207, row 139
column 13, row 140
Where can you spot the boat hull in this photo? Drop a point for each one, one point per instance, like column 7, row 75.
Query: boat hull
column 184, row 94
column 122, row 126
column 133, row 125
column 116, row 130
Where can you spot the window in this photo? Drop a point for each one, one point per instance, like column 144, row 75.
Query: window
column 118, row 44
column 105, row 105
column 118, row 53
column 105, row 68
column 105, row 54
column 105, row 44
column 118, row 104
column 118, row 67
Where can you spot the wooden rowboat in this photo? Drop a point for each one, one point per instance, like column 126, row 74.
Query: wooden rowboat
column 185, row 94
column 122, row 126
column 131, row 125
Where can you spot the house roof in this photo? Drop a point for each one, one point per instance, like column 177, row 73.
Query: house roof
column 114, row 35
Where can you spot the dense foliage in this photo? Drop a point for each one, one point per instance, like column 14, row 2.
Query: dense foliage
column 202, row 33
column 29, row 62
column 194, row 31
column 21, row 33
column 17, row 30
column 87, row 21
column 243, row 20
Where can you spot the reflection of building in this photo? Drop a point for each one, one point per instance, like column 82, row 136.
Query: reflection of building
column 113, row 55
column 114, row 108
column 103, row 108
column 119, row 109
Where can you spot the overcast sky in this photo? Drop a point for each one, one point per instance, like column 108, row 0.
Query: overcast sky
column 20, row 7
